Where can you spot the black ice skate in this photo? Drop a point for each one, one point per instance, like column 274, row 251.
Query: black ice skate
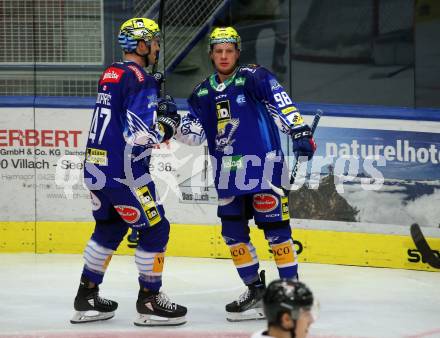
column 249, row 305
column 156, row 309
column 90, row 307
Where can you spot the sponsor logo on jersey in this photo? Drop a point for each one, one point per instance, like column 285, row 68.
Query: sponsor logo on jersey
column 272, row 215
column 285, row 208
column 240, row 254
column 138, row 226
column 297, row 119
column 274, row 84
column 112, row 75
column 223, row 114
column 128, row 213
column 96, row 203
column 232, row 163
column 283, row 254
column 241, row 100
column 137, row 72
column 224, row 140
column 96, row 156
column 252, row 70
column 153, row 215
column 149, row 205
column 265, row 202
column 288, row 110
column 202, row 92
column 159, row 259
column 221, row 96
column 239, row 81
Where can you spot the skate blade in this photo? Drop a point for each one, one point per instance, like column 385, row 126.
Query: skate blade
column 90, row 316
column 251, row 314
column 152, row 320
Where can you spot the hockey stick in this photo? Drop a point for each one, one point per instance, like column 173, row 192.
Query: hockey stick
column 159, row 23
column 158, row 75
column 423, row 246
column 390, row 74
column 285, row 191
column 313, row 128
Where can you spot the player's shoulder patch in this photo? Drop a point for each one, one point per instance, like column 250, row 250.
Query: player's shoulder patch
column 201, row 89
column 111, row 75
column 252, row 68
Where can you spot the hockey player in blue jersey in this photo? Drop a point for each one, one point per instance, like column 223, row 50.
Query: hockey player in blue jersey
column 239, row 110
column 125, row 126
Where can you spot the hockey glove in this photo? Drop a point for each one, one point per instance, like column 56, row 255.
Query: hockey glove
column 166, row 105
column 168, row 118
column 303, row 142
column 158, row 76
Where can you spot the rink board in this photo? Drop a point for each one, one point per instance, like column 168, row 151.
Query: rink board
column 189, row 240
column 39, row 214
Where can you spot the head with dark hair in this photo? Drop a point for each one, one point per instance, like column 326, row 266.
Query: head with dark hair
column 287, row 305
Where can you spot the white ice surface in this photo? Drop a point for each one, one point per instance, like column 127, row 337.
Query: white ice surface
column 37, row 291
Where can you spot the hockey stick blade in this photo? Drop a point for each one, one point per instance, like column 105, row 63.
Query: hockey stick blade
column 423, row 246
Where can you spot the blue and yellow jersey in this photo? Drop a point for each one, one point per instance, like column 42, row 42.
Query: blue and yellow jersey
column 123, row 124
column 241, row 119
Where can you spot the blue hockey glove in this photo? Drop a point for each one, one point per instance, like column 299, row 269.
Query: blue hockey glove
column 166, row 105
column 158, row 76
column 303, row 142
column 167, row 117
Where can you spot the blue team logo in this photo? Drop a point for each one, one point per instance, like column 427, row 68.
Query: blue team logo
column 224, row 140
column 152, row 99
column 274, row 85
column 241, row 100
column 189, row 126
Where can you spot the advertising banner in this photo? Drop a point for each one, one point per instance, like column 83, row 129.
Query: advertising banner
column 380, row 173
column 41, row 163
column 365, row 170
